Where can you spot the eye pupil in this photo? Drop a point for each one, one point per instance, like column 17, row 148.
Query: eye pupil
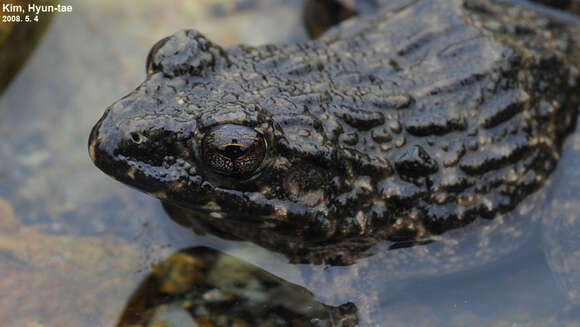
column 233, row 150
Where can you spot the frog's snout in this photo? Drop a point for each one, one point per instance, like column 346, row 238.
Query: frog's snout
column 102, row 143
column 94, row 140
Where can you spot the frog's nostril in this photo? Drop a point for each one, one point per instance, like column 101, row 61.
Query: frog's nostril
column 233, row 149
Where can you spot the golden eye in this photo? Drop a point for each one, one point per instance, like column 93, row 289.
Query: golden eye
column 234, row 150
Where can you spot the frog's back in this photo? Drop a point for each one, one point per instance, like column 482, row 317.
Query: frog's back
column 450, row 110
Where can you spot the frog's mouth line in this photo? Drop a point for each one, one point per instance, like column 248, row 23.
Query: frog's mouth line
column 241, row 206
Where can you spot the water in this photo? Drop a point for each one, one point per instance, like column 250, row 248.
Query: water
column 72, row 235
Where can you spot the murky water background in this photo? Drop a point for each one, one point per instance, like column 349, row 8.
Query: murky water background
column 75, row 245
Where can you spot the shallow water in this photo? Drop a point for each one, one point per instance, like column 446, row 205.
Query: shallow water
column 72, row 234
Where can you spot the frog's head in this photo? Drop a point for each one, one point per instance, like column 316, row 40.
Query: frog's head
column 191, row 136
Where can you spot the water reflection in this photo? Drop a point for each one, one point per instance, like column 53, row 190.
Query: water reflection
column 200, row 286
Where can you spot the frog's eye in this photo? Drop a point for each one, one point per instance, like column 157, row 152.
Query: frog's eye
column 151, row 65
column 234, row 150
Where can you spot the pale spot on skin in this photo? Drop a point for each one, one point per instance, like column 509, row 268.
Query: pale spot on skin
column 440, row 198
column 216, row 215
column 313, row 198
column 131, row 172
column 212, row 206
column 361, row 220
column 265, row 190
column 364, row 183
column 177, row 186
column 385, row 147
column 400, row 142
column 280, row 212
column 92, row 151
column 160, row 195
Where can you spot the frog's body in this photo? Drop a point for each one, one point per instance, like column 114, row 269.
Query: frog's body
column 413, row 121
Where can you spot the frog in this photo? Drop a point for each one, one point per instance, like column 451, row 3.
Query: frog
column 390, row 129
column 414, row 138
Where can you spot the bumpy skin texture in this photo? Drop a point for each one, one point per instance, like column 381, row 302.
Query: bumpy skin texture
column 396, row 126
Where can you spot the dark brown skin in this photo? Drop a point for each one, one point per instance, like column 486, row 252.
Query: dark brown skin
column 398, row 126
